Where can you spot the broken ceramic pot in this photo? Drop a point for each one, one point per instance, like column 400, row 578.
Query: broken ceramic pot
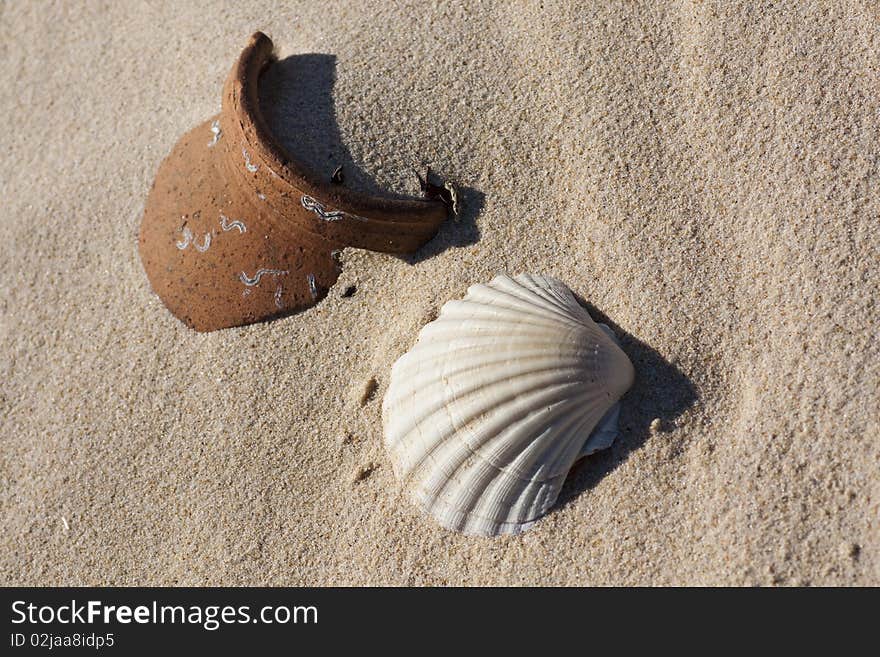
column 236, row 231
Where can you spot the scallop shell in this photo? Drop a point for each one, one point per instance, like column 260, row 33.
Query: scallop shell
column 500, row 396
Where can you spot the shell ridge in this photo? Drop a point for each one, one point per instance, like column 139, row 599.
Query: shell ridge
column 497, row 297
column 524, row 289
column 543, row 397
column 540, row 496
column 503, row 310
column 510, row 340
column 509, row 488
column 419, row 415
column 480, row 332
column 529, row 289
column 504, row 461
column 528, row 363
column 394, row 397
column 474, row 378
column 471, row 309
column 565, row 456
column 418, row 451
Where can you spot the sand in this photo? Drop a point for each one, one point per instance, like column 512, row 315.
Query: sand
column 706, row 176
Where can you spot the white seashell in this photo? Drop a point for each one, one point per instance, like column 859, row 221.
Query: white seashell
column 500, row 396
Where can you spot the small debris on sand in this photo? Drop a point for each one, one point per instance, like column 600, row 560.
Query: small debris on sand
column 369, row 392
column 365, row 471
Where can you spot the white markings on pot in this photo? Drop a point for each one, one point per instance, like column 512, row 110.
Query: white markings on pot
column 217, row 132
column 318, row 208
column 227, row 225
column 251, row 282
column 247, row 162
column 312, row 287
column 205, row 244
column 188, row 239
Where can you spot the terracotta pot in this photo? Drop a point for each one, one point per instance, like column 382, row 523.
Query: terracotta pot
column 235, row 231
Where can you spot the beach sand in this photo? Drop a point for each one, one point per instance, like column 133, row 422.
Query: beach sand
column 706, row 176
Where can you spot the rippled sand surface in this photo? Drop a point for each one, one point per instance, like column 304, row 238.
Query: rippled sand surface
column 705, row 175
